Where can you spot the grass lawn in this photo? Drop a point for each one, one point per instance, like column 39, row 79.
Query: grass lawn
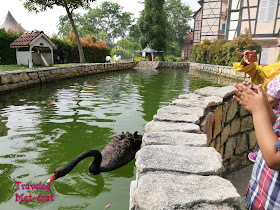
column 21, row 67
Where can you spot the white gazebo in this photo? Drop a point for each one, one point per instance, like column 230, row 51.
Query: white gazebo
column 149, row 50
column 34, row 47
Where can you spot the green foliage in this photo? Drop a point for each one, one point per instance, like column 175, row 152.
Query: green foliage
column 128, row 45
column 138, row 58
column 93, row 53
column 179, row 14
column 157, row 58
column 223, row 52
column 125, row 54
column 107, row 22
column 7, row 54
column 152, row 24
column 172, row 58
column 43, row 5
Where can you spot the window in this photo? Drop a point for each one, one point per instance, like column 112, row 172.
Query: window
column 267, row 10
column 265, row 56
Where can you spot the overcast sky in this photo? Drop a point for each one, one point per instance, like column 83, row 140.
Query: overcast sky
column 48, row 21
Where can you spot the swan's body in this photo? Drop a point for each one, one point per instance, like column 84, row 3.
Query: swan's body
column 108, row 58
column 117, row 58
column 118, row 152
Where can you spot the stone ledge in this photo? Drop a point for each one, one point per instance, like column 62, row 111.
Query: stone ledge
column 174, row 138
column 159, row 126
column 156, row 190
column 179, row 158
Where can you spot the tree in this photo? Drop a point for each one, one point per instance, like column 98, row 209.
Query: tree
column 69, row 5
column 179, row 15
column 152, row 25
column 107, row 22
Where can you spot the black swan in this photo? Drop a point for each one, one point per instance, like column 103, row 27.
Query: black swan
column 118, row 152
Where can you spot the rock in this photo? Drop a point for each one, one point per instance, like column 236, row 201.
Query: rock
column 222, row 92
column 182, row 110
column 159, row 190
column 179, row 158
column 177, row 118
column 158, row 126
column 174, row 138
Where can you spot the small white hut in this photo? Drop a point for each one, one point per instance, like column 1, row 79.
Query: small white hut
column 34, row 47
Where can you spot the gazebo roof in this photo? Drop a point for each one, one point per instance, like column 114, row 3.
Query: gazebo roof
column 149, row 50
column 11, row 23
column 28, row 38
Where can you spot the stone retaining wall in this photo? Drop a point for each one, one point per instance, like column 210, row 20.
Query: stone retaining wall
column 186, row 149
column 160, row 64
column 226, row 71
column 20, row 78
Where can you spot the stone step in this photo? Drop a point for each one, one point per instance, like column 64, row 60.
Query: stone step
column 174, row 138
column 179, row 158
column 177, row 118
column 159, row 126
column 160, row 191
column 182, row 110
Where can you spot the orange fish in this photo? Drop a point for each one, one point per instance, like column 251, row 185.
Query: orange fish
column 49, row 104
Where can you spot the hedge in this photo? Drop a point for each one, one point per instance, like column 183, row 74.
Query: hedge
column 7, row 54
column 94, row 52
column 223, row 52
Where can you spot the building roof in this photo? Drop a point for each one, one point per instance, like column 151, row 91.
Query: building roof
column 11, row 23
column 149, row 50
column 28, row 37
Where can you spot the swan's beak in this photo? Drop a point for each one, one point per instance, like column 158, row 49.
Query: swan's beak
column 51, row 179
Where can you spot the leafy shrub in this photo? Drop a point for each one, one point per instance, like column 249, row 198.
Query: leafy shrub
column 94, row 50
column 138, row 58
column 157, row 58
column 223, row 52
column 7, row 54
column 125, row 54
column 171, row 58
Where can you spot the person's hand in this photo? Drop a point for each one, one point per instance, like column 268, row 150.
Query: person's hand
column 251, row 86
column 249, row 99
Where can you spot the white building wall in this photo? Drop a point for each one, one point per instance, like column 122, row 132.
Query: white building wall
column 22, row 57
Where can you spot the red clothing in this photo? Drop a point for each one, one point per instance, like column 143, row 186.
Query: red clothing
column 150, row 58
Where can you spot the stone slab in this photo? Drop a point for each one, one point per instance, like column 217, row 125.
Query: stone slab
column 222, row 92
column 181, row 110
column 202, row 101
column 174, row 138
column 179, row 158
column 158, row 126
column 177, row 118
column 179, row 191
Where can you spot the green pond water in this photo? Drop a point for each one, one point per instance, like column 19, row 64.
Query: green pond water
column 46, row 126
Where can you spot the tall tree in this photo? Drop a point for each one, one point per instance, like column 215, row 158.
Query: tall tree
column 69, row 5
column 107, row 21
column 179, row 14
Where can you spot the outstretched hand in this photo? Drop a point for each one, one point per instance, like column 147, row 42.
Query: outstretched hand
column 253, row 100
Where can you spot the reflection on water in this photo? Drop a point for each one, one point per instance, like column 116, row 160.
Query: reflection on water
column 45, row 126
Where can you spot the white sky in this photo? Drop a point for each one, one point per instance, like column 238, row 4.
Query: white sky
column 48, row 21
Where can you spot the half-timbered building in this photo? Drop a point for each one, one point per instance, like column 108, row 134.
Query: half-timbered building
column 218, row 19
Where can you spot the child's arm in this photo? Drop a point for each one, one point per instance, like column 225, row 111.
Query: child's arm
column 257, row 104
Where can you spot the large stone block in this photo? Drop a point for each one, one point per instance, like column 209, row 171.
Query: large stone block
column 200, row 101
column 235, row 126
column 218, row 121
column 182, row 110
column 15, row 78
column 232, row 110
column 225, row 134
column 246, row 124
column 164, row 191
column 174, row 138
column 242, row 144
column 177, row 118
column 222, row 92
column 158, row 126
column 179, row 158
column 6, row 79
column 230, row 147
column 207, row 126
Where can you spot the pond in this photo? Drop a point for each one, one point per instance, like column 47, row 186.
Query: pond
column 46, row 126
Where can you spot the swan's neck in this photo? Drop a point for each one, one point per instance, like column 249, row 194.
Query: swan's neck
column 63, row 170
